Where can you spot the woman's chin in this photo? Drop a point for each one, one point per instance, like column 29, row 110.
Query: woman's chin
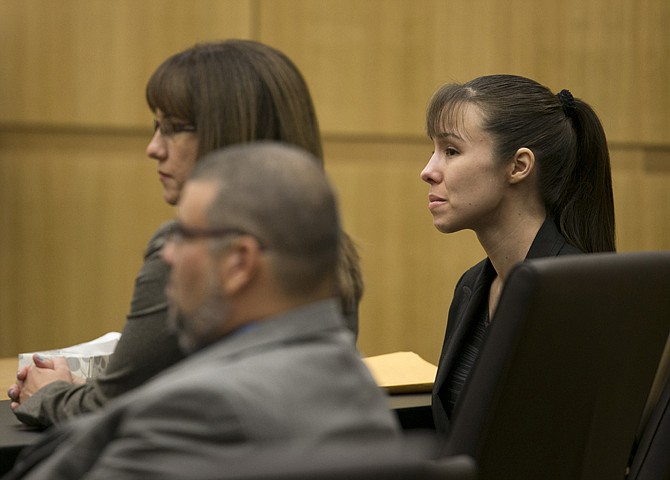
column 170, row 197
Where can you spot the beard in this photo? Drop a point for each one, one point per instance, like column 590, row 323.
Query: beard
column 204, row 325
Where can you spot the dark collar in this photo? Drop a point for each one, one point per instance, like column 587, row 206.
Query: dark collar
column 548, row 242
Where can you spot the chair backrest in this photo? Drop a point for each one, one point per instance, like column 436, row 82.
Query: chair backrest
column 561, row 382
column 651, row 456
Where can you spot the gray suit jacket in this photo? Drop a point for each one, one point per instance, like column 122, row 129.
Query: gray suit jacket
column 294, row 378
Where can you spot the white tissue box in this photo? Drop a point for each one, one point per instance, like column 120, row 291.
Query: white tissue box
column 86, row 360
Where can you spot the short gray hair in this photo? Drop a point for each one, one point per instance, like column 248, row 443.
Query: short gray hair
column 280, row 195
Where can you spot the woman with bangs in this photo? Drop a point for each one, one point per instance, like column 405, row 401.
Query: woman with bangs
column 529, row 172
column 205, row 98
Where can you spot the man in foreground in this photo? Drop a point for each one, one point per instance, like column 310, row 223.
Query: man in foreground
column 271, row 365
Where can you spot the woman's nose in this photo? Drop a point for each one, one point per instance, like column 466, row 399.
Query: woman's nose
column 429, row 174
column 156, row 148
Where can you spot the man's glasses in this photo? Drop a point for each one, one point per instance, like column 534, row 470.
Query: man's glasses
column 169, row 129
column 179, row 233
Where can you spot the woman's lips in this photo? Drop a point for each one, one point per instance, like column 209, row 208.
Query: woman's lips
column 434, row 201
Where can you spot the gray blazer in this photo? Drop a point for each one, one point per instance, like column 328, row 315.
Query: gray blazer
column 296, row 377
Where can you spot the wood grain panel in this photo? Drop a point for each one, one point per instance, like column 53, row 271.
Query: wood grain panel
column 641, row 180
column 86, row 62
column 656, row 194
column 78, row 209
column 373, row 65
column 369, row 64
column 627, row 181
column 79, row 199
column 77, row 212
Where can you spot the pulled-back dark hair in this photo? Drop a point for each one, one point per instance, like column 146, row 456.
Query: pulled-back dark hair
column 564, row 134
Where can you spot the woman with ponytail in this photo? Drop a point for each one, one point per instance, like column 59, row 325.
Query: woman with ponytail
column 529, row 172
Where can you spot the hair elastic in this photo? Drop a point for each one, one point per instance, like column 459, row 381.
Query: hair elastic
column 567, row 102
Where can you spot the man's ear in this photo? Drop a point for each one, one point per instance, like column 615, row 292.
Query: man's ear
column 239, row 264
column 522, row 165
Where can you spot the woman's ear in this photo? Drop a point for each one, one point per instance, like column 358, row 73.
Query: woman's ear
column 239, row 264
column 523, row 164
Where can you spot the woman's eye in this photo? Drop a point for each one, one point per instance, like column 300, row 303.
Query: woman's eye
column 450, row 151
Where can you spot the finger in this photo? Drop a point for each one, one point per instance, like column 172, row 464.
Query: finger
column 60, row 363
column 22, row 374
column 14, row 405
column 43, row 362
column 12, row 392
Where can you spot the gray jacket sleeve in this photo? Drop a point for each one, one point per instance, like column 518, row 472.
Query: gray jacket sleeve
column 145, row 348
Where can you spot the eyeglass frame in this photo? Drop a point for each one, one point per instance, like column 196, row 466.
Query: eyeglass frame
column 169, row 129
column 178, row 233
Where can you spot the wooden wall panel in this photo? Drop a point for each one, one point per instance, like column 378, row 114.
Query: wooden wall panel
column 627, row 181
column 79, row 208
column 610, row 53
column 77, row 211
column 86, row 62
column 369, row 64
column 79, row 199
column 655, row 191
column 641, row 180
column 372, row 65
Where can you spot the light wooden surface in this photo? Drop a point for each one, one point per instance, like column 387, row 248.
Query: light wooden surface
column 397, row 372
column 8, row 368
column 79, row 198
column 402, row 372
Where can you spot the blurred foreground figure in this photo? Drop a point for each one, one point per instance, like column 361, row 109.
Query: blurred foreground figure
column 254, row 303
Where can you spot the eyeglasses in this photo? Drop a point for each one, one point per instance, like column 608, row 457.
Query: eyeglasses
column 169, row 129
column 179, row 233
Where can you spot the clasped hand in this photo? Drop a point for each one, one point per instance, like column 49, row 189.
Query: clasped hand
column 31, row 378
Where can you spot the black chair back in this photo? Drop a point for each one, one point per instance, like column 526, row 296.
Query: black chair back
column 561, row 382
column 651, row 455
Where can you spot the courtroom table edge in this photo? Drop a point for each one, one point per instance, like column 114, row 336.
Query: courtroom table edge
column 412, row 410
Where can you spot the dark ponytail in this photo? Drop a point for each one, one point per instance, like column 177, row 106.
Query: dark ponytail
column 586, row 210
